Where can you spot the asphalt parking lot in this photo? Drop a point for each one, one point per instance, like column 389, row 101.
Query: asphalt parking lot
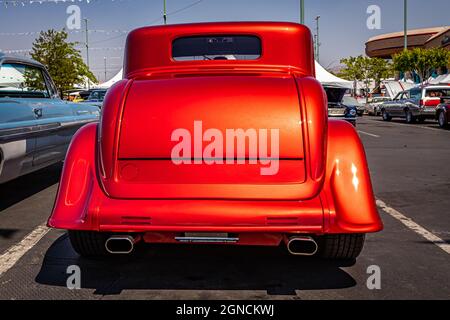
column 411, row 176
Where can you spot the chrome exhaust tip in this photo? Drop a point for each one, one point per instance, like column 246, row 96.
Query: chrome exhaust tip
column 302, row 246
column 120, row 244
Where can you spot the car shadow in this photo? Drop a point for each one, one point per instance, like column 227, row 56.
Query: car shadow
column 23, row 187
column 190, row 267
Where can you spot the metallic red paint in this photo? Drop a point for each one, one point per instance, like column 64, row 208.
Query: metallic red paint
column 118, row 176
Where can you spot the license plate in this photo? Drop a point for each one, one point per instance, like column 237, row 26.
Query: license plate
column 336, row 112
column 206, row 235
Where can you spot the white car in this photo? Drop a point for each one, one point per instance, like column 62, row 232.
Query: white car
column 373, row 106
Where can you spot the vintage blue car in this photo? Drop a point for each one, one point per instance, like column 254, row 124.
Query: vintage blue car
column 36, row 126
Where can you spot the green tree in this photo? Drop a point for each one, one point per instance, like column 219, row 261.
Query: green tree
column 352, row 70
column 365, row 69
column 421, row 61
column 62, row 60
column 380, row 69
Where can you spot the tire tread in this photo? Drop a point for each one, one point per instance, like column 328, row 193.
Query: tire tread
column 341, row 246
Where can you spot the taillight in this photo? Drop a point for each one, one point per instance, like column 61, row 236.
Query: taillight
column 433, row 102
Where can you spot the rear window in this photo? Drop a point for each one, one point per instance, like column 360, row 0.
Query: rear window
column 437, row 92
column 216, row 48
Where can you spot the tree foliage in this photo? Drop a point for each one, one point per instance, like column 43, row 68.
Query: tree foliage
column 62, row 60
column 365, row 69
column 421, row 61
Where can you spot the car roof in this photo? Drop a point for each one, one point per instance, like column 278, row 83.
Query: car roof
column 141, row 57
column 437, row 87
column 5, row 58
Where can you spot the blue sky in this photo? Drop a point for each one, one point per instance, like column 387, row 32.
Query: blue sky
column 343, row 28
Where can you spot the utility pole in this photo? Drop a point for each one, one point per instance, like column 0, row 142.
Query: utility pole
column 104, row 60
column 405, row 20
column 87, row 49
column 317, row 39
column 165, row 13
column 302, row 11
column 315, row 46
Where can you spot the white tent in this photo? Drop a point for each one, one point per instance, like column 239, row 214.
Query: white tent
column 442, row 79
column 327, row 78
column 109, row 83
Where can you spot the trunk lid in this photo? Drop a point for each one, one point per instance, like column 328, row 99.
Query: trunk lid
column 170, row 125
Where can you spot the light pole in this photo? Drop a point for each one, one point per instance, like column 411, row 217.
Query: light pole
column 104, row 60
column 405, row 20
column 165, row 13
column 302, row 11
column 87, row 49
column 317, row 39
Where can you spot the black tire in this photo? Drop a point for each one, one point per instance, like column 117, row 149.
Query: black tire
column 88, row 243
column 442, row 120
column 409, row 118
column 341, row 246
column 385, row 115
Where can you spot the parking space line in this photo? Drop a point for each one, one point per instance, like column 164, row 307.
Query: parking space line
column 408, row 125
column 415, row 227
column 14, row 253
column 369, row 134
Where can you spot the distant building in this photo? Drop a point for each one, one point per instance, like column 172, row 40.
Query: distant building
column 386, row 45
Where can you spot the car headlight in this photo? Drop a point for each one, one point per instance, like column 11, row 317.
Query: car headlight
column 352, row 112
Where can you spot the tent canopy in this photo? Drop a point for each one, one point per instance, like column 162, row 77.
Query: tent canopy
column 109, row 83
column 329, row 79
column 442, row 79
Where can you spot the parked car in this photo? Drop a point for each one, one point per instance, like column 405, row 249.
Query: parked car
column 35, row 124
column 373, row 106
column 415, row 104
column 96, row 97
column 177, row 160
column 350, row 101
column 336, row 108
column 443, row 113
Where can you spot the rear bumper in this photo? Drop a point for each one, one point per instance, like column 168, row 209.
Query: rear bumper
column 341, row 207
column 426, row 113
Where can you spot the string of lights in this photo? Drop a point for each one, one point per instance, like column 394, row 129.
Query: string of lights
column 34, row 33
column 22, row 3
column 95, row 49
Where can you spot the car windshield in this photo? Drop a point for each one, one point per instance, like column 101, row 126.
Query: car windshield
column 20, row 80
column 97, row 95
column 216, row 48
column 350, row 101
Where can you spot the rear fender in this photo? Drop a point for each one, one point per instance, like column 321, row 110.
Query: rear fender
column 74, row 199
column 348, row 189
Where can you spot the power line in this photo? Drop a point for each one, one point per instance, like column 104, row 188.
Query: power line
column 156, row 20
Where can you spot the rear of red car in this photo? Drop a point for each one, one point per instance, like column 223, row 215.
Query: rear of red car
column 217, row 134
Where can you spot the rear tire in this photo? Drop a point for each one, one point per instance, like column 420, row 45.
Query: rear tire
column 341, row 246
column 385, row 115
column 442, row 120
column 88, row 243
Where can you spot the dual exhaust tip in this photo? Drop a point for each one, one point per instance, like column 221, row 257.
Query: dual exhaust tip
column 121, row 244
column 301, row 245
column 296, row 245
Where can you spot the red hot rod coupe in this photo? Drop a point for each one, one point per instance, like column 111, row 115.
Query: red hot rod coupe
column 218, row 133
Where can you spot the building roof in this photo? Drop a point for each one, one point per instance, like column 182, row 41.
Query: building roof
column 415, row 32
